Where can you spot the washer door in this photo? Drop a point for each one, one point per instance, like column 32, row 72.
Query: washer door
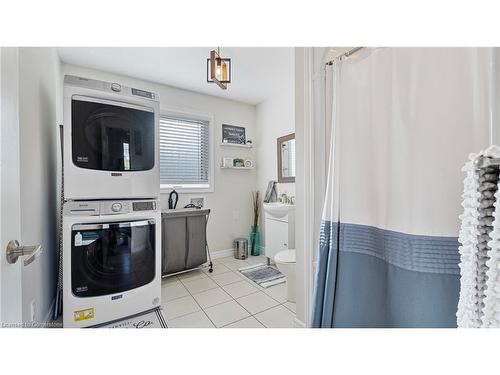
column 109, row 258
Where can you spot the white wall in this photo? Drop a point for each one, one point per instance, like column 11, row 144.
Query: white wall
column 39, row 72
column 230, row 203
column 10, row 202
column 275, row 117
column 302, row 237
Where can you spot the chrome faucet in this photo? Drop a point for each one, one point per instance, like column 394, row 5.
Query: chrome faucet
column 285, row 199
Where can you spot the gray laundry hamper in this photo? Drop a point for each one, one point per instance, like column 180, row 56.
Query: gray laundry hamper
column 184, row 240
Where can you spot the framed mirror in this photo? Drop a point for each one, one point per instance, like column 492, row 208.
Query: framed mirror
column 286, row 158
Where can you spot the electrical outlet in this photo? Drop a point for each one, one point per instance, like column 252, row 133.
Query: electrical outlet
column 32, row 310
column 198, row 202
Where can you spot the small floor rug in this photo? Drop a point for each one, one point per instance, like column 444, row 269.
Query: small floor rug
column 149, row 319
column 263, row 275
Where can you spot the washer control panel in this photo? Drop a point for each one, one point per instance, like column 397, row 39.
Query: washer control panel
column 81, row 208
column 144, row 206
column 115, row 207
column 108, row 207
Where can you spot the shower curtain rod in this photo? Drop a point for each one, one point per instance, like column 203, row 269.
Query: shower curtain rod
column 347, row 54
column 484, row 162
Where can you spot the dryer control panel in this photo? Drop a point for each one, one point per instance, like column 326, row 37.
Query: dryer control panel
column 114, row 87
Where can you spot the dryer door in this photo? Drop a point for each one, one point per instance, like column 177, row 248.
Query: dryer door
column 110, row 136
column 109, row 258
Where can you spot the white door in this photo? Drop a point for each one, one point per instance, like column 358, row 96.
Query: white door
column 10, row 208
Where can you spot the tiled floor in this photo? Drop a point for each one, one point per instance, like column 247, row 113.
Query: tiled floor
column 225, row 298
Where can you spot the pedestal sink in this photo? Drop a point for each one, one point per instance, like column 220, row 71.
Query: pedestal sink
column 277, row 209
column 280, row 241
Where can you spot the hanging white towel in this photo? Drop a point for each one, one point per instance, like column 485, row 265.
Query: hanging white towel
column 492, row 293
column 479, row 302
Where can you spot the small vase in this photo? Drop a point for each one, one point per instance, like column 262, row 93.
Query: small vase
column 255, row 241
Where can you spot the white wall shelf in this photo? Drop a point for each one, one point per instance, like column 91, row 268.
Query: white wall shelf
column 223, row 167
column 235, row 145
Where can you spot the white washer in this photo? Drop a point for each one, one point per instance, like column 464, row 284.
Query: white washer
column 111, row 260
column 111, row 138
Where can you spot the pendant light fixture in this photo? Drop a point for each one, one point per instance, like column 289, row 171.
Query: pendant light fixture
column 218, row 69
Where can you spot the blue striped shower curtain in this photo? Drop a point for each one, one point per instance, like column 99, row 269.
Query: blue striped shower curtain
column 403, row 123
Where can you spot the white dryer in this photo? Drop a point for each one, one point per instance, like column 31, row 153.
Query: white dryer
column 111, row 138
column 111, row 260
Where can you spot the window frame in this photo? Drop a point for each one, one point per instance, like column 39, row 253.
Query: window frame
column 195, row 115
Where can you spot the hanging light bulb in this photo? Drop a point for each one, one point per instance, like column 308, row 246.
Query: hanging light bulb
column 218, row 69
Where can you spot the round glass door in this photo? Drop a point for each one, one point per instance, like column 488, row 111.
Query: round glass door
column 111, row 137
column 112, row 258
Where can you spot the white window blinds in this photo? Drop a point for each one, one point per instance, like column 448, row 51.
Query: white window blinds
column 184, row 151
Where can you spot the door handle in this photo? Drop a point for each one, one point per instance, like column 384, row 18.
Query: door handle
column 14, row 251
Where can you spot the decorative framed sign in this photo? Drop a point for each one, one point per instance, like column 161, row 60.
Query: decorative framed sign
column 233, row 134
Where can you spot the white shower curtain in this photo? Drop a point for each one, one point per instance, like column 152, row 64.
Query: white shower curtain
column 404, row 121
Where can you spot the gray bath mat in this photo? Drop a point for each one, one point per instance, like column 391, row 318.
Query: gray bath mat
column 263, row 275
column 149, row 319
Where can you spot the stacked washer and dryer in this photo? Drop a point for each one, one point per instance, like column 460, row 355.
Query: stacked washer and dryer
column 111, row 250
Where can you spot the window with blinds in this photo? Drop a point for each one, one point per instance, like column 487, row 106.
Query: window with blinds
column 184, row 152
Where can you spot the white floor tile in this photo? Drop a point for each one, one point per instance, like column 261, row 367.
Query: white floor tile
column 226, row 313
column 192, row 275
column 199, row 285
column 211, row 297
column 226, row 278
column 217, row 270
column 278, row 292
column 200, row 299
column 291, row 306
column 224, row 260
column 240, row 289
column 172, row 291
column 257, row 302
column 195, row 320
column 256, row 260
column 234, row 265
column 277, row 317
column 249, row 322
column 180, row 306
column 251, row 282
column 169, row 280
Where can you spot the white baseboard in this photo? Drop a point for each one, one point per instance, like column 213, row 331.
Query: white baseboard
column 227, row 253
column 299, row 323
column 221, row 253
